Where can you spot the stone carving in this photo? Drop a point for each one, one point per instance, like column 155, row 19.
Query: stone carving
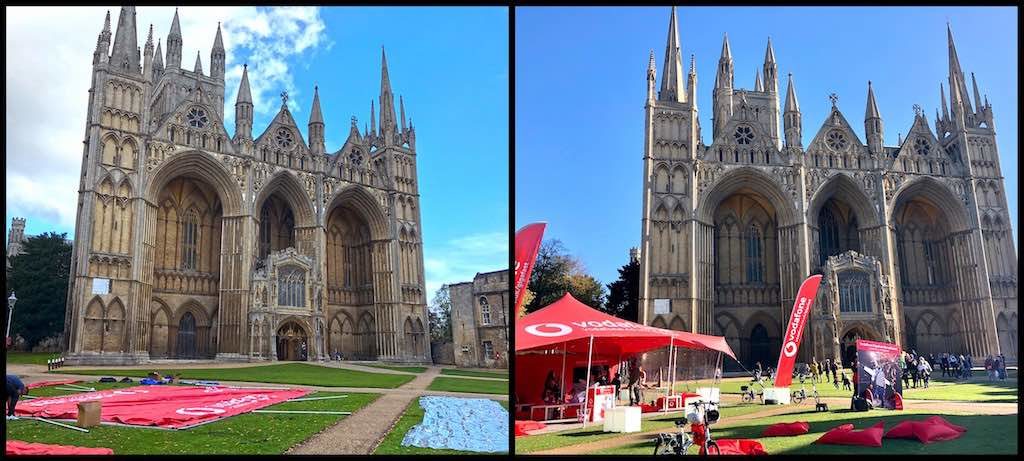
column 891, row 183
column 707, row 174
column 260, row 173
column 238, row 168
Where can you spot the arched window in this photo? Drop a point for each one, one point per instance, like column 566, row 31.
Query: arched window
column 189, row 237
column 288, row 228
column 485, row 311
column 828, row 232
column 755, row 272
column 265, row 230
column 854, row 292
column 930, row 262
column 291, row 286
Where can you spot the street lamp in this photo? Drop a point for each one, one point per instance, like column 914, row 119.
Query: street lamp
column 10, row 313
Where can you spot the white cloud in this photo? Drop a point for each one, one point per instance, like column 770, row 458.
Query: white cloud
column 461, row 258
column 49, row 61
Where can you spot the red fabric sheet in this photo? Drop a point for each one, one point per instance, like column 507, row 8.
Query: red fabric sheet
column 52, row 383
column 570, row 321
column 845, row 435
column 17, row 447
column 740, row 447
column 523, row 427
column 786, row 429
column 172, row 407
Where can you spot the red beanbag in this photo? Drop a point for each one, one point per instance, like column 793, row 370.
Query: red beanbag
column 942, row 421
column 845, row 435
column 740, row 447
column 786, row 429
column 931, row 429
column 524, row 426
column 902, row 430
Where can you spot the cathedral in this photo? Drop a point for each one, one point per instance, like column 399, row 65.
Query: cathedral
column 913, row 241
column 193, row 244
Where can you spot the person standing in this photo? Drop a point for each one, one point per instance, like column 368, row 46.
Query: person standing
column 15, row 389
column 1002, row 367
column 814, row 369
column 990, row 368
column 635, row 393
column 924, row 370
column 943, row 361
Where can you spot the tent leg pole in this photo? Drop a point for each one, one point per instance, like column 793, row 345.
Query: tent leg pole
column 586, row 394
column 561, row 378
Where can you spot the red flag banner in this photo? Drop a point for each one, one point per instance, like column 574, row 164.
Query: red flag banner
column 527, row 245
column 174, row 407
column 794, row 332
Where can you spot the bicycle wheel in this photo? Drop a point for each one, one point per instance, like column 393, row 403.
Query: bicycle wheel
column 747, row 398
column 712, row 448
column 797, row 398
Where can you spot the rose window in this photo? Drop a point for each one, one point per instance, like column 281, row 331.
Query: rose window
column 356, row 157
column 284, row 139
column 744, row 135
column 921, row 146
column 197, row 118
column 836, row 140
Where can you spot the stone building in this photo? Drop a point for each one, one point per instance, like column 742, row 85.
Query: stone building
column 191, row 243
column 914, row 240
column 15, row 239
column 479, row 318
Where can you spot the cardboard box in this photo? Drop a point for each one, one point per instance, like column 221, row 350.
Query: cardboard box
column 89, row 413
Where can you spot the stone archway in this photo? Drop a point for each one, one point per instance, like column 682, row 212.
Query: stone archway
column 293, row 342
column 848, row 341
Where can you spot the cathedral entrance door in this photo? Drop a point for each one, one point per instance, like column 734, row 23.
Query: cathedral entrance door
column 760, row 347
column 848, row 344
column 291, row 342
column 187, row 337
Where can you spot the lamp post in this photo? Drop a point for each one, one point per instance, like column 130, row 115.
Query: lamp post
column 10, row 312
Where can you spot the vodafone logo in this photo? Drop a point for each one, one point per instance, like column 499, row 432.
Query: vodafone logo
column 199, row 411
column 789, row 349
column 560, row 330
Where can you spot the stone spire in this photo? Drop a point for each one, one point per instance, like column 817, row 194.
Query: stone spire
column 243, row 107
column 672, row 73
column 174, row 43
column 691, row 83
column 373, row 120
column 956, row 74
column 722, row 96
column 147, row 60
column 199, row 64
column 724, row 77
column 125, row 53
column 977, row 94
column 102, row 53
column 791, row 117
column 316, row 125
column 873, row 123
column 945, row 109
column 217, row 56
column 771, row 69
column 757, row 82
column 158, row 59
column 387, row 102
column 652, row 72
column 401, row 105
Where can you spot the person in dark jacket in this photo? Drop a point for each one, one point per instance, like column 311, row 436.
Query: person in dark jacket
column 15, row 389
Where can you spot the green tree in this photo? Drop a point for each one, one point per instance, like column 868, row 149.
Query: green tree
column 555, row 273
column 440, row 314
column 39, row 276
column 624, row 293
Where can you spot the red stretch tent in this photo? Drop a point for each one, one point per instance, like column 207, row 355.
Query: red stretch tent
column 17, row 447
column 173, row 407
column 570, row 321
column 39, row 384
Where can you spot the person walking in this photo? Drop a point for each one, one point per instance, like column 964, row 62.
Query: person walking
column 1002, row 367
column 835, row 370
column 906, row 376
column 924, row 370
column 814, row 369
column 635, row 393
column 943, row 362
column 990, row 368
column 961, row 363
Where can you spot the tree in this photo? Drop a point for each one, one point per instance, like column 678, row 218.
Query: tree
column 624, row 293
column 440, row 315
column 556, row 273
column 39, row 276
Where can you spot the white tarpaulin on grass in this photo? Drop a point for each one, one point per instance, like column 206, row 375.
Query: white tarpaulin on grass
column 479, row 425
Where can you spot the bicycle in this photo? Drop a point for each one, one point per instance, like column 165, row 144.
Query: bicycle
column 747, row 392
column 700, row 426
column 798, row 396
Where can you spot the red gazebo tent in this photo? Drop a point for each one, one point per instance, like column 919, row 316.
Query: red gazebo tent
column 575, row 328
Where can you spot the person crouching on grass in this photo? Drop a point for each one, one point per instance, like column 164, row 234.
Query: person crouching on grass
column 15, row 389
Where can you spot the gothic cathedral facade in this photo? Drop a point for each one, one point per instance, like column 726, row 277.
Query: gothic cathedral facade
column 914, row 240
column 192, row 244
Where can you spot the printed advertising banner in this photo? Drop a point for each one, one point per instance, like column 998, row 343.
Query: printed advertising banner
column 527, row 245
column 173, row 407
column 878, row 369
column 802, row 306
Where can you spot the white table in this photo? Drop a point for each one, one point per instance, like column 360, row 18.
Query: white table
column 622, row 419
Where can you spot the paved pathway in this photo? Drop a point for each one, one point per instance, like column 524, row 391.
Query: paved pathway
column 361, row 432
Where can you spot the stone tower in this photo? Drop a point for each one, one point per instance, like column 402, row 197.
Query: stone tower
column 914, row 240
column 15, row 238
column 191, row 243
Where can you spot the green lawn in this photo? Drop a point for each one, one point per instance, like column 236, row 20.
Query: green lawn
column 479, row 386
column 405, row 369
column 559, row 439
column 479, row 374
column 286, row 373
column 52, row 391
column 245, row 434
column 978, row 389
column 985, row 435
column 392, row 443
column 31, row 358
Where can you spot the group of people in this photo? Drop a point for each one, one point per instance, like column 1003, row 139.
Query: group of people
column 635, row 380
column 917, row 369
column 995, row 367
column 820, row 371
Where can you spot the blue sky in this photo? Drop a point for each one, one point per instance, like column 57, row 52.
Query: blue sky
column 449, row 64
column 580, row 90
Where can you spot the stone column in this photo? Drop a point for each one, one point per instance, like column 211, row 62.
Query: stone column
column 236, row 257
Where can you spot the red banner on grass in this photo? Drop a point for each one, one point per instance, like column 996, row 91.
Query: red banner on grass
column 795, row 329
column 174, row 407
column 17, row 447
column 527, row 245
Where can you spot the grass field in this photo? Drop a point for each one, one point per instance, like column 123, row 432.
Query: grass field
column 985, row 435
column 245, row 434
column 977, row 389
column 479, row 386
column 31, row 358
column 479, row 374
column 532, row 443
column 287, row 373
column 413, row 415
column 405, row 369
